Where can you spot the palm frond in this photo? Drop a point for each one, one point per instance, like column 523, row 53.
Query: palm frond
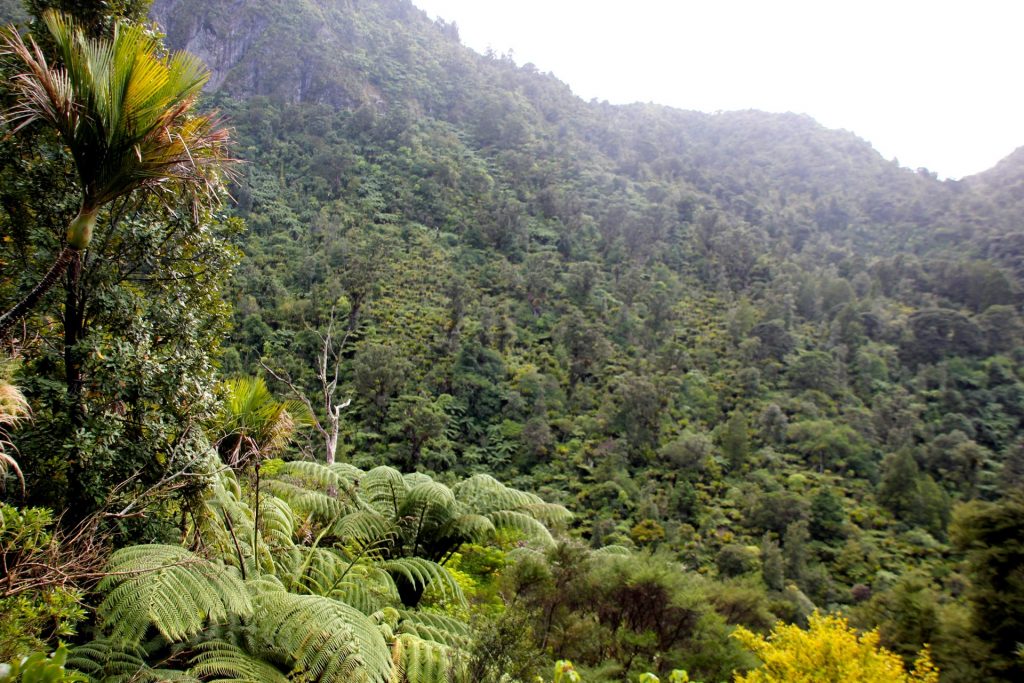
column 14, row 409
column 253, row 423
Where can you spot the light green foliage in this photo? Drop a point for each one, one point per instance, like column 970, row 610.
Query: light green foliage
column 40, row 668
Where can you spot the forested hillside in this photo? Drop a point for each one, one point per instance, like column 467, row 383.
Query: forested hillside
column 737, row 367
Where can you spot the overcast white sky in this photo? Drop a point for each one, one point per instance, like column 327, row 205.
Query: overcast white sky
column 932, row 83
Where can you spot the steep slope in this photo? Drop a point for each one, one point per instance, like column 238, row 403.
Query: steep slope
column 708, row 333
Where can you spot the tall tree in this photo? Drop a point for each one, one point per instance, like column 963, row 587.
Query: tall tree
column 105, row 141
column 992, row 537
column 123, row 113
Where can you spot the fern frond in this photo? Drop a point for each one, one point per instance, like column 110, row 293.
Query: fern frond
column 613, row 550
column 548, row 514
column 436, row 627
column 474, row 528
column 220, row 662
column 364, row 528
column 326, row 640
column 483, row 493
column 322, row 505
column 384, row 488
column 170, row 589
column 417, row 660
column 348, row 472
column 420, row 573
column 368, row 588
column 429, row 495
column 523, row 523
column 315, row 475
column 277, row 522
column 105, row 661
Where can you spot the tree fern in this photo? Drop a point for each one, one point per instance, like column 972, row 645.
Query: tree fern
column 169, row 589
column 225, row 526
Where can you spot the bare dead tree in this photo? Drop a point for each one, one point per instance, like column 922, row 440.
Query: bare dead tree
column 328, row 372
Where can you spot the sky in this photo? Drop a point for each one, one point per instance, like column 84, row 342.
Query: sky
column 934, row 84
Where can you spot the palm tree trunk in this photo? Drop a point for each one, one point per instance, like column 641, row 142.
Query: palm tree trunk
column 67, row 256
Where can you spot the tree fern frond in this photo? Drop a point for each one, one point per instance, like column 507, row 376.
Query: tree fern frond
column 326, row 640
column 474, row 528
column 105, row 661
column 324, row 506
column 427, row 494
column 384, row 488
column 613, row 550
column 523, row 523
column 423, row 661
column 439, row 628
column 277, row 522
column 348, row 472
column 482, row 493
column 548, row 514
column 315, row 475
column 364, row 528
column 368, row 588
column 170, row 589
column 220, row 662
column 420, row 573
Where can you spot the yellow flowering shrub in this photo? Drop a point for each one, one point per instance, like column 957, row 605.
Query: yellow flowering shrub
column 829, row 651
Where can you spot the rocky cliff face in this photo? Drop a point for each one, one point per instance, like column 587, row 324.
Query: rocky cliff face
column 220, row 33
column 289, row 50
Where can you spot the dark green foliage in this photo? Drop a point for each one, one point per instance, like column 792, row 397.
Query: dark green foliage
column 992, row 537
column 827, row 516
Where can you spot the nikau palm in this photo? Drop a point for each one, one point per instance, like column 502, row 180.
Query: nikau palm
column 124, row 112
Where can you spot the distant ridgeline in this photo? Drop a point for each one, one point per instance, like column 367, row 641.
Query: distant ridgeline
column 741, row 337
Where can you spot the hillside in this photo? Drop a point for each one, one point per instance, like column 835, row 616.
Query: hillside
column 741, row 342
column 720, row 327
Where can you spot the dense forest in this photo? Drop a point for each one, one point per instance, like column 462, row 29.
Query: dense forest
column 383, row 360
